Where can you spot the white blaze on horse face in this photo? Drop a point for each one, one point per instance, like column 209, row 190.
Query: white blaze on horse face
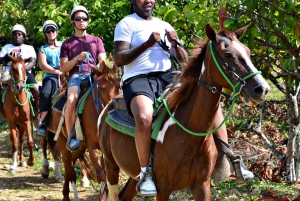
column 162, row 132
column 242, row 50
column 20, row 71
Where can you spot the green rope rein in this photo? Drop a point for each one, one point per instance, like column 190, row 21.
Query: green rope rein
column 234, row 98
column 28, row 95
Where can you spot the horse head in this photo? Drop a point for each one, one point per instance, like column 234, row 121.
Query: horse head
column 18, row 73
column 232, row 59
column 107, row 81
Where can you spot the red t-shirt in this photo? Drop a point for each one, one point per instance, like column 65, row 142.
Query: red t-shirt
column 73, row 46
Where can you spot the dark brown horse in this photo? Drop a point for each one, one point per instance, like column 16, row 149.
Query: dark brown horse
column 108, row 86
column 184, row 154
column 16, row 110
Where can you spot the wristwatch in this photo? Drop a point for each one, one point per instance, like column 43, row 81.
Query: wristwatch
column 76, row 58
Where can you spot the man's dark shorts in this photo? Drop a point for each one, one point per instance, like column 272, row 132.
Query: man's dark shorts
column 150, row 85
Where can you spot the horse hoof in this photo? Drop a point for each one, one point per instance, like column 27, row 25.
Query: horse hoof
column 13, row 170
column 23, row 164
column 60, row 180
column 44, row 175
column 84, row 183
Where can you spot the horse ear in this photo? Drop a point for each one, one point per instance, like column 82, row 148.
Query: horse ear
column 222, row 17
column 210, row 32
column 96, row 71
column 240, row 31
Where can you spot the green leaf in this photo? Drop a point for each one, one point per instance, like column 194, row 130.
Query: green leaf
column 228, row 22
column 170, row 14
column 287, row 64
column 189, row 8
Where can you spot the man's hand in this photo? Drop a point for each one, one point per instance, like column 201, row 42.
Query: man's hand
column 153, row 39
column 172, row 37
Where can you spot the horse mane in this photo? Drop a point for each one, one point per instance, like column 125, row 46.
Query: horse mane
column 186, row 80
column 228, row 34
column 193, row 69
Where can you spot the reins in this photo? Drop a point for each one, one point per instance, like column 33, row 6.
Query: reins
column 164, row 46
column 234, row 97
column 98, row 100
column 26, row 89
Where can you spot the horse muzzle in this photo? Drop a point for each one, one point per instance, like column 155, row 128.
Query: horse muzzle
column 17, row 89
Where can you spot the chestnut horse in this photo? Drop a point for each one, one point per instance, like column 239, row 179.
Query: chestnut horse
column 16, row 109
column 184, row 151
column 108, row 86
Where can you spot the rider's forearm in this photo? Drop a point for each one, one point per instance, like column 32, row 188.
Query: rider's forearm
column 66, row 66
column 127, row 56
column 30, row 64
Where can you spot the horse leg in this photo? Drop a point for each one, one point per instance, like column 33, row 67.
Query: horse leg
column 84, row 181
column 45, row 169
column 70, row 174
column 30, row 143
column 201, row 192
column 56, row 154
column 128, row 192
column 14, row 142
column 21, row 143
column 112, row 177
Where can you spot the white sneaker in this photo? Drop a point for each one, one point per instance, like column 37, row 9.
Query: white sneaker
column 147, row 187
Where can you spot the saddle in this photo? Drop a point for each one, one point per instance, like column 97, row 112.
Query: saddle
column 119, row 118
column 58, row 104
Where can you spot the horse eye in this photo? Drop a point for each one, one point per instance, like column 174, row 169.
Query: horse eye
column 227, row 55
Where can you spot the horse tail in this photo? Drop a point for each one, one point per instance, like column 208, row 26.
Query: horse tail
column 86, row 164
column 92, row 176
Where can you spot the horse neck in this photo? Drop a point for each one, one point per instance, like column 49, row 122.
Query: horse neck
column 202, row 103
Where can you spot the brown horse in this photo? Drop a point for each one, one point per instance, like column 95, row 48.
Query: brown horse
column 108, row 86
column 184, row 153
column 16, row 109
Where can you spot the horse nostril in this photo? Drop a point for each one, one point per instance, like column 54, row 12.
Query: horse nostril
column 261, row 90
column 258, row 90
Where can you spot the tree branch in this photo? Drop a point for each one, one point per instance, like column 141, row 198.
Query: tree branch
column 257, row 130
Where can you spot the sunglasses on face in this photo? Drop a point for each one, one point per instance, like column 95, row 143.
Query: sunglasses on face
column 78, row 18
column 50, row 30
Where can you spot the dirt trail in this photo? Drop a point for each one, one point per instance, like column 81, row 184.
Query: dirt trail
column 28, row 184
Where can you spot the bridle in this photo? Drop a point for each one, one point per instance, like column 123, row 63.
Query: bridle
column 235, row 87
column 15, row 90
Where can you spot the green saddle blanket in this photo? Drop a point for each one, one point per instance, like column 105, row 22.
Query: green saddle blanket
column 123, row 126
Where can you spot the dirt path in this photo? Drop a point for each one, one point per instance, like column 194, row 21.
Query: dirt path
column 28, row 184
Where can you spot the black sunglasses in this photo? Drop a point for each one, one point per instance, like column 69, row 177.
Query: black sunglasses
column 50, row 30
column 78, row 18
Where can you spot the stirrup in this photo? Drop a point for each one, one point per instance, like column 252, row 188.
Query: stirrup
column 146, row 186
column 236, row 160
column 71, row 138
column 239, row 166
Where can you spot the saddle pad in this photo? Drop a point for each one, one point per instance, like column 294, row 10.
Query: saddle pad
column 81, row 102
column 121, row 109
column 115, row 121
column 60, row 102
